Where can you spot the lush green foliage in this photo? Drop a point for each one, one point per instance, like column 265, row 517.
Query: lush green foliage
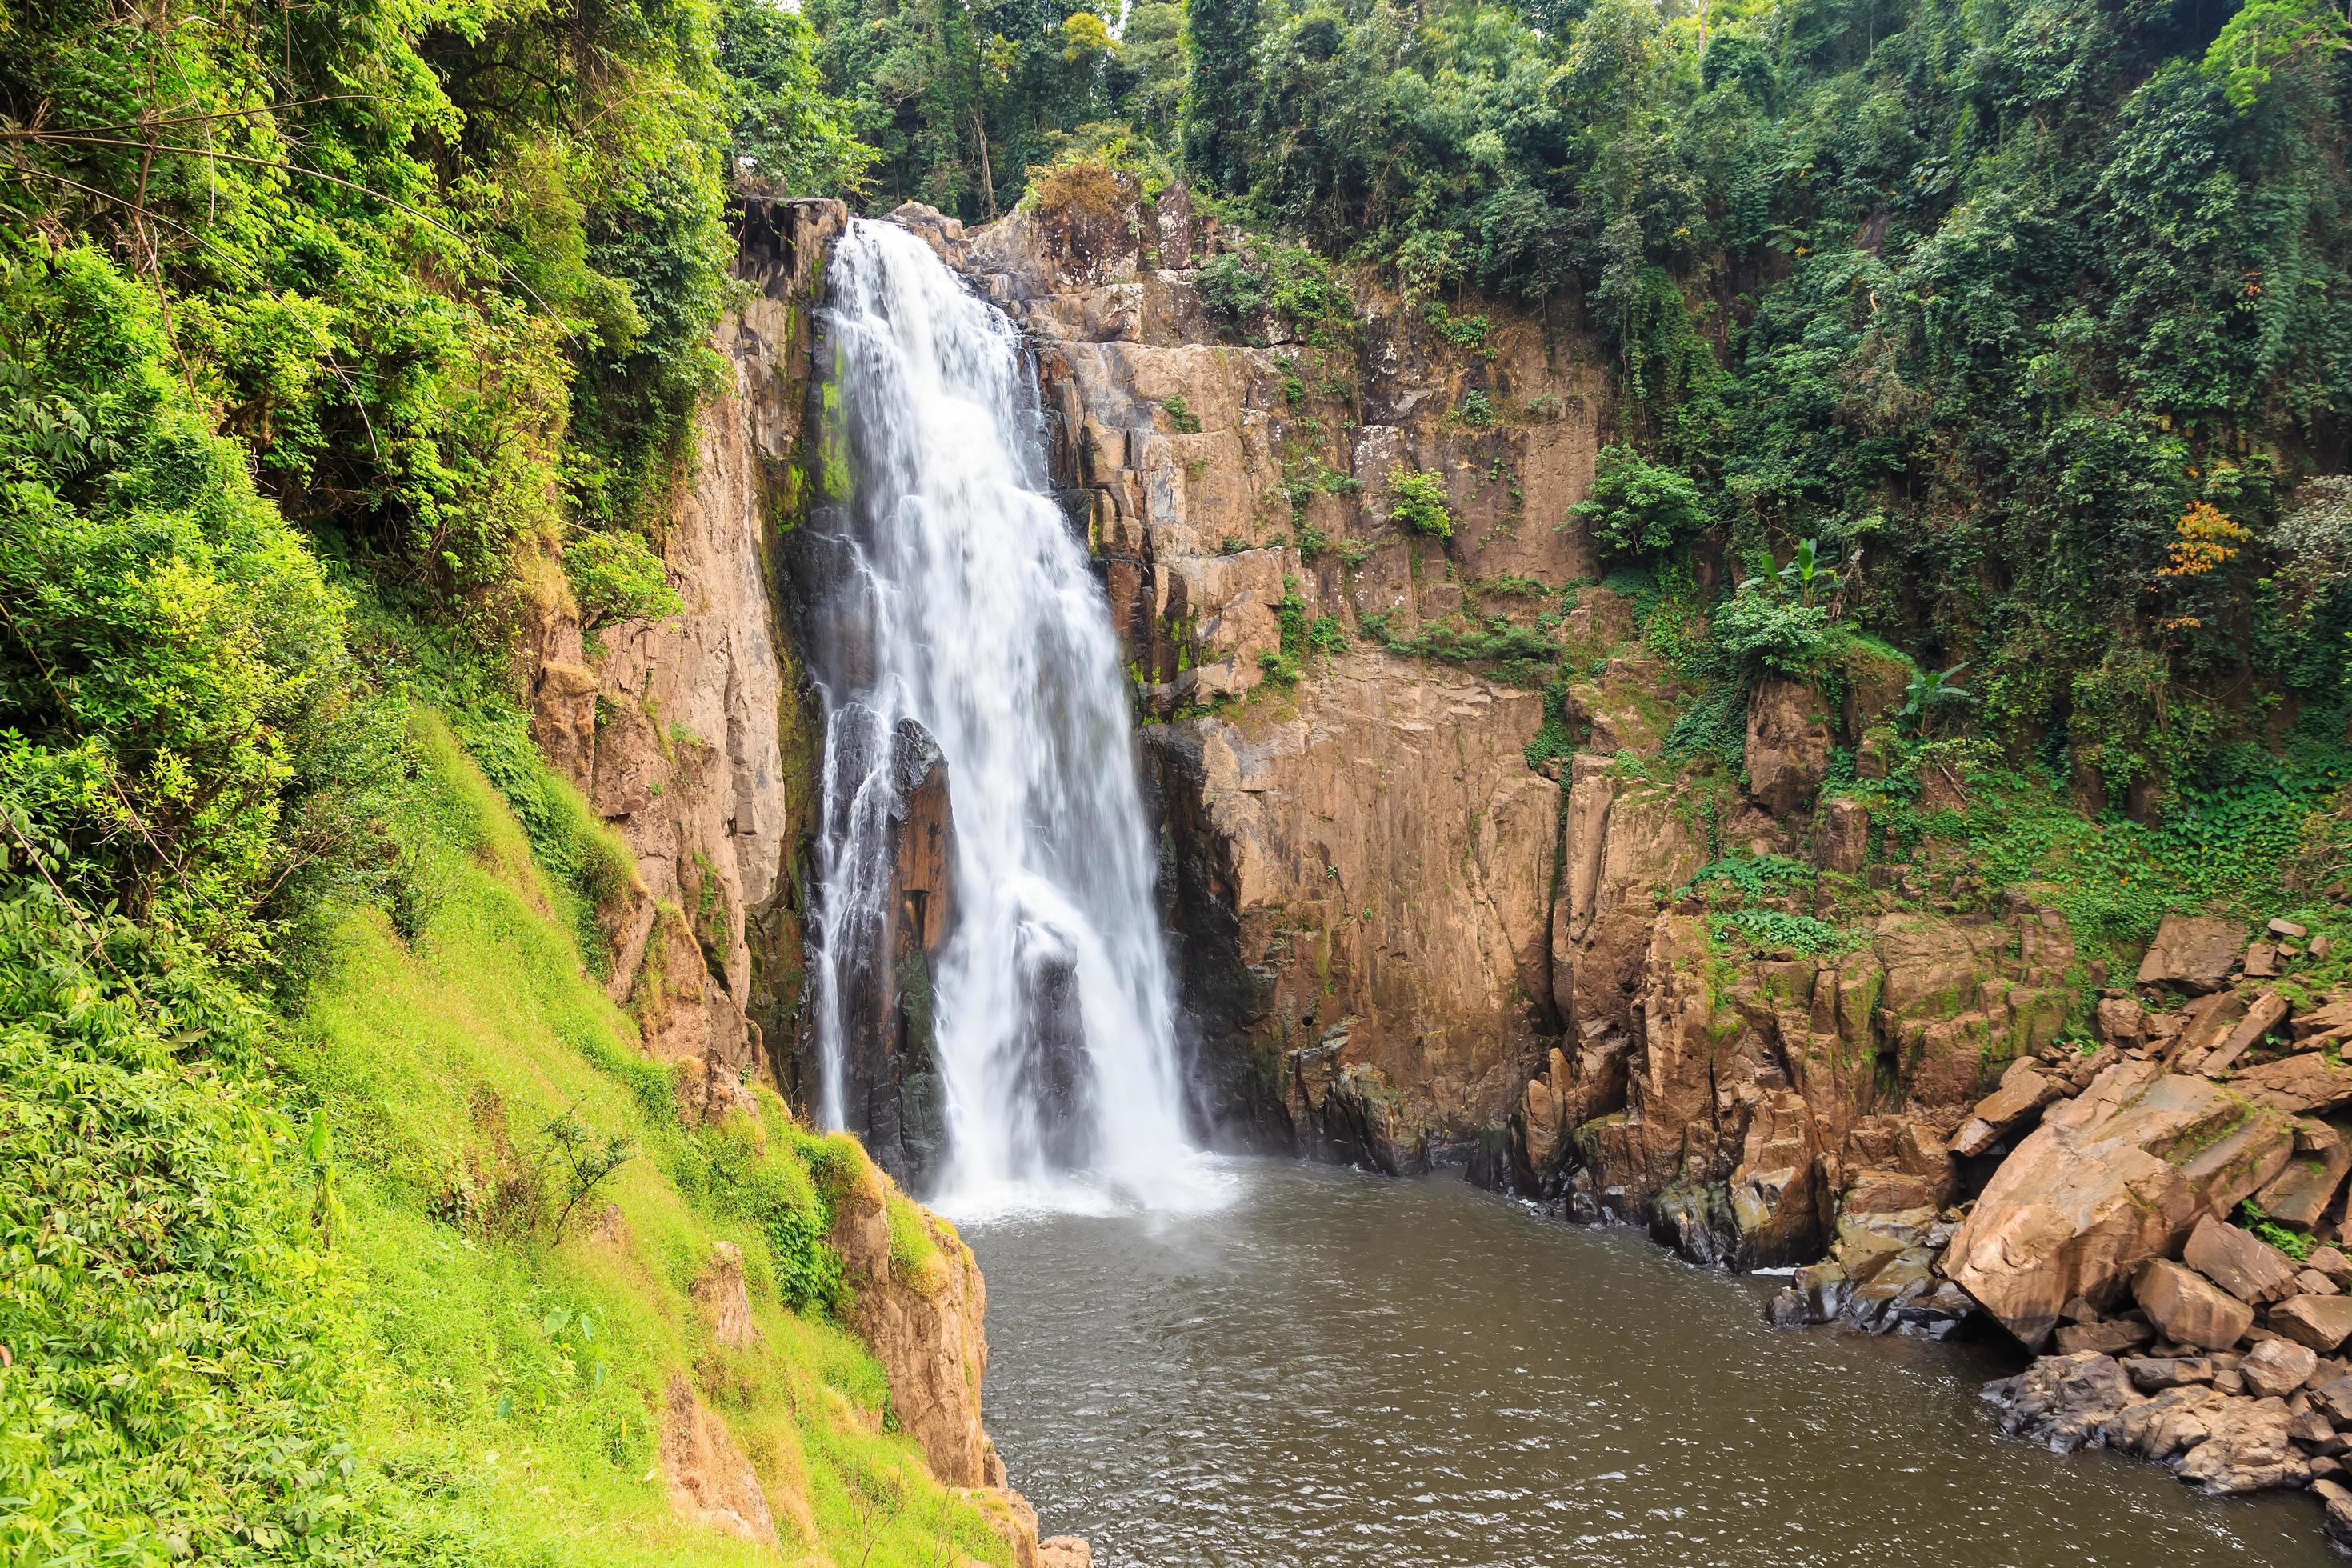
column 960, row 101
column 617, row 577
column 2035, row 319
column 1637, row 511
column 1417, row 501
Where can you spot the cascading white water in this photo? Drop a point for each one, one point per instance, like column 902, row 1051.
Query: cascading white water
column 965, row 604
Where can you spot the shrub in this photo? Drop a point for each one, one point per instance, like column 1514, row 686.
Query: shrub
column 1417, row 502
column 1638, row 511
column 1762, row 630
column 617, row 577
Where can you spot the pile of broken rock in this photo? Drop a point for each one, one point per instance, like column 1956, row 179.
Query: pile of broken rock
column 2103, row 1232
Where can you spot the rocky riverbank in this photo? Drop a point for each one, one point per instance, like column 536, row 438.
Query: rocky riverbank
column 2104, row 1231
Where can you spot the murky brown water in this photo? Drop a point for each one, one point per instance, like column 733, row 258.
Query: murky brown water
column 1340, row 1369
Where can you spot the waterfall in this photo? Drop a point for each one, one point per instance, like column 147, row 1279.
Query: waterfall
column 960, row 612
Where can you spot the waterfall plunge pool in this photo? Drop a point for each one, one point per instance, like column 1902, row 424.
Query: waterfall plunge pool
column 1337, row 1368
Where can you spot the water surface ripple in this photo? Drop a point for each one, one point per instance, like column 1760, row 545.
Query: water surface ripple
column 1343, row 1369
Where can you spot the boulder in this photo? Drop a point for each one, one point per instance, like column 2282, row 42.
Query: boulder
column 2154, row 1375
column 2323, row 1322
column 2123, row 1022
column 2266, row 1013
column 2334, row 1400
column 2168, row 1425
column 2329, row 1019
column 2240, row 1262
column 2277, row 1367
column 2305, row 1084
column 2189, row 1308
column 2205, row 1024
column 2110, row 1336
column 2066, row 1401
column 2300, row 1195
column 2109, row 1180
column 2327, row 1260
column 2338, row 1500
column 1065, row 1551
column 2248, row 1450
column 2023, row 1094
column 2191, row 952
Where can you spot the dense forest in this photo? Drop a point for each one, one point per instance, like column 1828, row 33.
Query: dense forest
column 2033, row 318
column 338, row 342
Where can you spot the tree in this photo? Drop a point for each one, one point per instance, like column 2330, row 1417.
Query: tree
column 1638, row 511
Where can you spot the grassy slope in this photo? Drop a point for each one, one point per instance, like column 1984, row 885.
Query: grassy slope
column 521, row 1375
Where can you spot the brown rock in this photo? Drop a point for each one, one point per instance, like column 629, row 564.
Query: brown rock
column 2277, row 1367
column 2312, row 1282
column 2065, row 1401
column 2326, row 1019
column 2304, row 1084
column 2248, row 1450
column 2323, row 1322
column 2023, row 1093
column 2267, row 1013
column 2189, row 1308
column 2240, row 1262
column 926, row 1331
column 2123, row 1023
column 2190, row 953
column 2109, row 1180
column 2332, row 1263
column 2286, row 929
column 719, row 1291
column 2154, row 1375
column 1788, row 745
column 2168, row 1426
column 1841, row 837
column 1065, row 1551
column 710, row 1482
column 2262, row 960
column 2334, row 1399
column 2338, row 1500
column 2108, row 1337
column 2205, row 1024
column 2299, row 1194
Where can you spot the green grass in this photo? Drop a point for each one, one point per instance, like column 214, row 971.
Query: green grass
column 522, row 1374
column 311, row 1303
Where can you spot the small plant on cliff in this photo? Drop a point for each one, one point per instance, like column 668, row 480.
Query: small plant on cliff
column 1772, row 928
column 617, row 577
column 1638, row 511
column 1923, row 698
column 1180, row 413
column 2294, row 1243
column 581, row 1163
column 1417, row 501
column 1764, row 631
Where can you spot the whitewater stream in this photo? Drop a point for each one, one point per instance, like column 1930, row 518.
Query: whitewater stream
column 968, row 609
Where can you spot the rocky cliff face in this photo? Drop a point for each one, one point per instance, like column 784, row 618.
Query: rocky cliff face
column 1361, row 865
column 689, row 734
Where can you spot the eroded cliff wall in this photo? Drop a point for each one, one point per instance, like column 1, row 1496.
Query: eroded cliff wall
column 1361, row 863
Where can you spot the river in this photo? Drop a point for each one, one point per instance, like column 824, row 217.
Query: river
column 1337, row 1368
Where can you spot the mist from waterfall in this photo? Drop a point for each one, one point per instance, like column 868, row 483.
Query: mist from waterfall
column 966, row 605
